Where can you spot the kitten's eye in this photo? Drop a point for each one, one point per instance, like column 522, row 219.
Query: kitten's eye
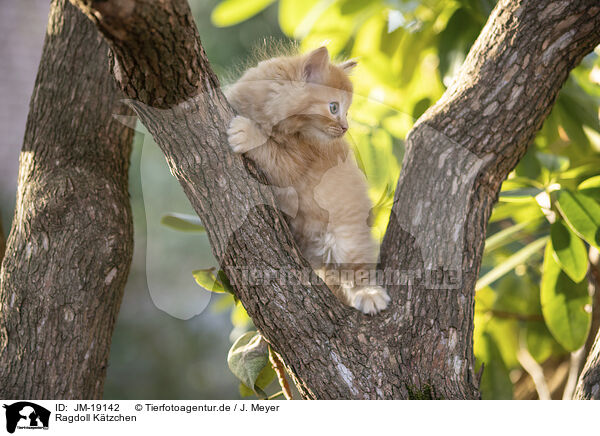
column 334, row 107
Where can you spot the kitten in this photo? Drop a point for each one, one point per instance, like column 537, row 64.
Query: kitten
column 292, row 121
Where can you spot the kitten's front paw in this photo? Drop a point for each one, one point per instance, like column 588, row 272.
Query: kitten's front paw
column 244, row 135
column 370, row 299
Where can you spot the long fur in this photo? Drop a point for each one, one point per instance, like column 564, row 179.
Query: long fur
column 292, row 120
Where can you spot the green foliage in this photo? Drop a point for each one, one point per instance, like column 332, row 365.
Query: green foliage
column 409, row 52
column 219, row 284
column 232, row 12
column 511, row 263
column 569, row 251
column 565, row 304
column 182, row 222
column 582, row 213
column 495, row 380
column 247, row 359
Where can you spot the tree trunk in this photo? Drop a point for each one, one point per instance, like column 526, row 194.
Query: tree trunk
column 69, row 250
column 458, row 154
column 2, row 242
column 588, row 385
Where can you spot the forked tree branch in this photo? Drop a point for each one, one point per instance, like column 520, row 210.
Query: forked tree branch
column 459, row 153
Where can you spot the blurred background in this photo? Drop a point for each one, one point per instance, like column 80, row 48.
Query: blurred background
column 536, row 306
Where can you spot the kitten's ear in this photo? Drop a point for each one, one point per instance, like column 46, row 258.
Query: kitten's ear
column 348, row 65
column 315, row 64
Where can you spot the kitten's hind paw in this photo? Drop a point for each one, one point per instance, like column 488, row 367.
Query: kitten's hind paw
column 244, row 135
column 370, row 299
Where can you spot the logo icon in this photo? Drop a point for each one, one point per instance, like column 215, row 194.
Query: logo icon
column 26, row 415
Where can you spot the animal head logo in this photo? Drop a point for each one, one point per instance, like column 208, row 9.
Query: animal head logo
column 26, row 415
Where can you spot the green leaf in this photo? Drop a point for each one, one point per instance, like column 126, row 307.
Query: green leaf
column 582, row 213
column 503, row 236
column 520, row 195
column 232, row 12
column 182, row 222
column 247, row 358
column 297, row 17
column 511, row 263
column 264, row 379
column 349, row 7
column 565, row 304
column 590, row 168
column 206, row 278
column 420, row 107
column 540, row 342
column 225, row 283
column 518, row 212
column 505, row 335
column 570, row 251
column 245, row 391
column 590, row 187
column 240, row 318
column 495, row 381
column 553, row 162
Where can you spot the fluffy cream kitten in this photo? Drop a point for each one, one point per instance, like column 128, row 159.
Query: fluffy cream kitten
column 291, row 122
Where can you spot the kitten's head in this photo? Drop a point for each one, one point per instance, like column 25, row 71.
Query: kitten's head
column 322, row 111
column 305, row 95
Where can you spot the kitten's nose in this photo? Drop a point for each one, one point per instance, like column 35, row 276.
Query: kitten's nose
column 344, row 127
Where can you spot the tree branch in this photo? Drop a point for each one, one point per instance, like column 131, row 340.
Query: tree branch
column 588, row 385
column 460, row 151
column 69, row 251
column 458, row 155
column 2, row 242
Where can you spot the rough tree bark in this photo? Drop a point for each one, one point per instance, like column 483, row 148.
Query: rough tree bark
column 70, row 247
column 2, row 242
column 459, row 152
column 588, row 385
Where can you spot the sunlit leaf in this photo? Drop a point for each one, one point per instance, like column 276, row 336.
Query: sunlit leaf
column 590, row 168
column 518, row 212
column 206, row 278
column 590, row 187
column 348, row 7
column 183, row 222
column 240, row 318
column 296, row 18
column 582, row 213
column 230, row 12
column 540, row 342
column 522, row 195
column 570, row 251
column 565, row 304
